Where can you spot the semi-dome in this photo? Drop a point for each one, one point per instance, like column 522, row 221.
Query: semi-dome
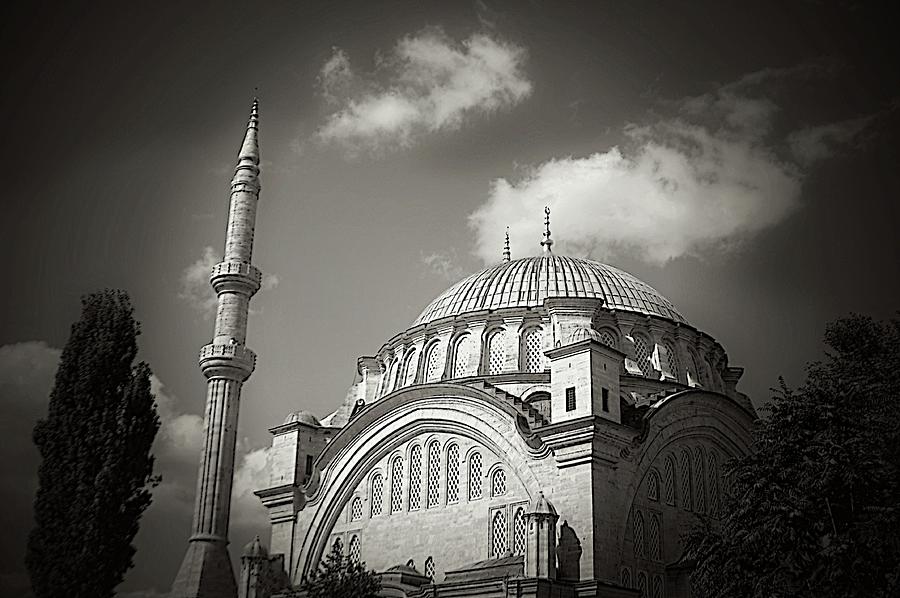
column 526, row 282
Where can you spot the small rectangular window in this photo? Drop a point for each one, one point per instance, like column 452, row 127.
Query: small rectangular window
column 570, row 398
column 605, row 399
column 309, row 462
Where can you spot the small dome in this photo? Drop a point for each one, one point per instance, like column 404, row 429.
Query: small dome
column 303, row 417
column 408, row 569
column 542, row 506
column 255, row 548
column 583, row 333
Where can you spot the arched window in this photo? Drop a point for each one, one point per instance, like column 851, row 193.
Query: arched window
column 475, row 476
column 653, row 538
column 499, row 542
column 392, row 376
column 713, row 475
column 434, row 474
column 656, row 587
column 429, row 567
column 498, row 483
column 642, row 354
column 409, row 368
column 519, row 531
column 640, row 539
column 533, row 349
column 396, row 484
column 354, row 549
column 337, row 545
column 383, row 385
column 669, row 481
column 672, row 356
column 699, row 482
column 496, row 352
column 434, row 363
column 377, row 495
column 693, row 374
column 653, row 485
column 356, row 509
column 626, row 577
column 608, row 338
column 453, row 473
column 642, row 583
column 687, row 496
column 415, row 478
column 462, row 357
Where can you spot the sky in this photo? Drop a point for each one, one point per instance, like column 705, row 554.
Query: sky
column 740, row 157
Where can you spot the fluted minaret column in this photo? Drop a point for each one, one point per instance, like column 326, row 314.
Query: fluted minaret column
column 226, row 362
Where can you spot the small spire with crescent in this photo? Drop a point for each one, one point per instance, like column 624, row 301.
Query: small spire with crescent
column 547, row 242
column 506, row 253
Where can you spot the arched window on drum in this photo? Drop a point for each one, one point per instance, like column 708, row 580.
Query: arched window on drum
column 608, row 338
column 674, row 362
column 434, row 362
column 642, row 351
column 410, row 365
column 463, row 357
column 533, row 349
column 496, row 352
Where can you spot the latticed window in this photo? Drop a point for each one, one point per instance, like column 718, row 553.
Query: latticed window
column 396, row 484
column 496, row 352
column 519, row 531
column 453, row 473
column 607, row 338
column 653, row 539
column 669, row 481
column 429, row 567
column 534, row 350
column 391, row 383
column 353, row 549
column 498, row 483
column 672, row 356
column 642, row 583
column 700, row 482
column 642, row 354
column 499, row 541
column 656, row 589
column 712, row 474
column 693, row 375
column 434, row 474
column 653, row 485
column 415, row 478
column 687, row 496
column 356, row 509
column 409, row 368
column 462, row 358
column 640, row 538
column 626, row 577
column 475, row 476
column 434, row 365
column 377, row 497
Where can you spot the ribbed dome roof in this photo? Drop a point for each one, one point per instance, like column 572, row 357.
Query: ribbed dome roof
column 528, row 281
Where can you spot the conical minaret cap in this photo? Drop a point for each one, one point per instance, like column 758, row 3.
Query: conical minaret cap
column 250, row 147
column 542, row 506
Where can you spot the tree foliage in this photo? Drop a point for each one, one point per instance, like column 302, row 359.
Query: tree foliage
column 96, row 470
column 341, row 576
column 814, row 511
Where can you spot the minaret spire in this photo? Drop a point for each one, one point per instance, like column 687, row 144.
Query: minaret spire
column 506, row 254
column 226, row 363
column 547, row 243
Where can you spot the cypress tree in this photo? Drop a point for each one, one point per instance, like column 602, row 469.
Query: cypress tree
column 96, row 470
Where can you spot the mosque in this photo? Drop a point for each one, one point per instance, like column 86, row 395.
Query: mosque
column 549, row 426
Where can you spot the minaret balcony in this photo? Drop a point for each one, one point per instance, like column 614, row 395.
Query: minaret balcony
column 235, row 276
column 231, row 360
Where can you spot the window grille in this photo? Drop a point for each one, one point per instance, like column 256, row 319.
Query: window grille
column 687, row 496
column 396, row 485
column 713, row 474
column 570, row 398
column 496, row 352
column 653, row 485
column 429, row 568
column 534, row 350
column 607, row 338
column 356, row 509
column 519, row 531
column 354, row 549
column 498, row 534
column 669, row 481
column 626, row 577
column 409, row 368
column 642, row 355
column 640, row 539
column 700, row 482
column 377, row 494
column 656, row 587
column 672, row 356
column 498, row 483
column 337, row 545
column 434, row 366
column 434, row 474
column 415, row 478
column 463, row 358
column 475, row 476
column 642, row 583
column 453, row 473
column 653, row 538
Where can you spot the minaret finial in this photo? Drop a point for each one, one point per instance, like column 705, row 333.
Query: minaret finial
column 250, row 147
column 547, row 242
column 506, row 254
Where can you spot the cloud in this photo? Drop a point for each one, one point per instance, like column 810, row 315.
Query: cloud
column 195, row 287
column 428, row 83
column 444, row 265
column 707, row 176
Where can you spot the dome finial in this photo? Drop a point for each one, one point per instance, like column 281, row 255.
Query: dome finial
column 506, row 254
column 547, row 242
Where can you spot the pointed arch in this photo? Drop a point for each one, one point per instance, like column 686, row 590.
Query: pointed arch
column 639, row 536
column 687, row 495
column 669, row 481
column 499, row 540
column 452, row 473
column 434, row 475
column 415, row 477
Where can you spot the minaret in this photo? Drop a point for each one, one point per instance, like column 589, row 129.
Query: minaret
column 226, row 362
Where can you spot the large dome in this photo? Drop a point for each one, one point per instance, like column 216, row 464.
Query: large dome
column 528, row 281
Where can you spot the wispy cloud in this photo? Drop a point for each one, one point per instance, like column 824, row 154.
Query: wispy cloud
column 196, row 290
column 443, row 264
column 710, row 173
column 427, row 83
